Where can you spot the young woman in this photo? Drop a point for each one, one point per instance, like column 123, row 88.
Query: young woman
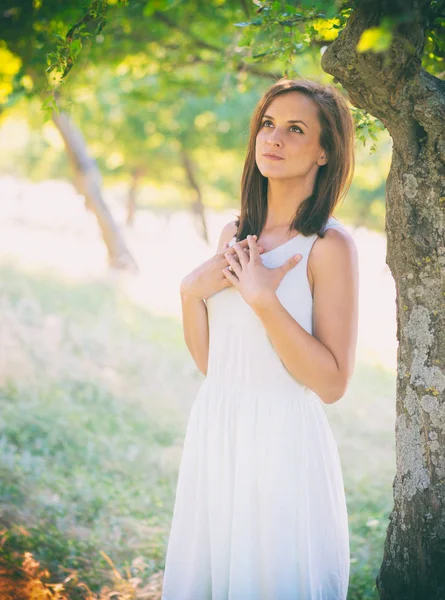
column 260, row 510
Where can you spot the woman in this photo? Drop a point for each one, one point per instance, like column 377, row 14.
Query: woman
column 260, row 511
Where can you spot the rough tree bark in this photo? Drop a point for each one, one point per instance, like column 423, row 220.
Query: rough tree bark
column 411, row 104
column 87, row 182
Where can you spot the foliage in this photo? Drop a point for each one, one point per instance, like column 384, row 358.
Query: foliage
column 46, row 37
column 366, row 127
column 163, row 90
column 278, row 32
column 22, row 578
column 283, row 30
column 301, row 23
column 166, row 56
column 69, row 47
column 144, row 95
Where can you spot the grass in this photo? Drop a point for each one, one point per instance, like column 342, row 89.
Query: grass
column 94, row 398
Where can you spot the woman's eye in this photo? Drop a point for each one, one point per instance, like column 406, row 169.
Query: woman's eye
column 292, row 127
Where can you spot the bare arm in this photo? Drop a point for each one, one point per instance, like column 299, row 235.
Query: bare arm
column 194, row 313
column 324, row 361
column 195, row 326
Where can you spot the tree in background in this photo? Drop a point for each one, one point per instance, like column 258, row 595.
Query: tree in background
column 168, row 57
column 146, row 60
column 25, row 30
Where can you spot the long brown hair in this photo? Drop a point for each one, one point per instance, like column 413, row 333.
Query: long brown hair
column 333, row 179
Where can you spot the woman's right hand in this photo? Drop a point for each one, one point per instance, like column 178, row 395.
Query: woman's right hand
column 208, row 279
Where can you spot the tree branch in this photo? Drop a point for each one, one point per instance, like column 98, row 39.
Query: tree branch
column 388, row 71
column 197, row 41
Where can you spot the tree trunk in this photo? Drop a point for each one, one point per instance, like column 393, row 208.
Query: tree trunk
column 87, row 181
column 197, row 206
column 132, row 193
column 411, row 103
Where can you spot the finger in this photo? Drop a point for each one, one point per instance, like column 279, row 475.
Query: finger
column 291, row 263
column 236, row 267
column 230, row 276
column 254, row 253
column 243, row 243
column 246, row 239
column 243, row 259
column 260, row 248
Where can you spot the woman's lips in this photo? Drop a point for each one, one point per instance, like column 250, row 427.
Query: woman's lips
column 272, row 157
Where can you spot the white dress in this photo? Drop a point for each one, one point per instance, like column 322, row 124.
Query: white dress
column 260, row 510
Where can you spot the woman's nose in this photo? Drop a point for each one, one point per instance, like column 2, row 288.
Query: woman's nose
column 274, row 138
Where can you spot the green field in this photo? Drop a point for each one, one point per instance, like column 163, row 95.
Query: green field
column 95, row 394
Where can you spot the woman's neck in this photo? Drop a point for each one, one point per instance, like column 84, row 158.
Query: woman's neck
column 284, row 196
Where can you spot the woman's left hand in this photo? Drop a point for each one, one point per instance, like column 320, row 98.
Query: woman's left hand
column 256, row 283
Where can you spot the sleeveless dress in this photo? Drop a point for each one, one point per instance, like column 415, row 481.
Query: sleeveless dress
column 260, row 510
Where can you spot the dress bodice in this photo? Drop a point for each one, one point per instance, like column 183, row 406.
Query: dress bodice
column 239, row 346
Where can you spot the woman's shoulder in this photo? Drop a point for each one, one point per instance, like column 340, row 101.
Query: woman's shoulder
column 337, row 246
column 337, row 238
column 228, row 232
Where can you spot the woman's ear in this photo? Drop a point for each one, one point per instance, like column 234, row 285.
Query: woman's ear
column 322, row 160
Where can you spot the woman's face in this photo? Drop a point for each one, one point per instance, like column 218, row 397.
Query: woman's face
column 297, row 144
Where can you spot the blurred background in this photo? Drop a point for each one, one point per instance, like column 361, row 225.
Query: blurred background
column 116, row 178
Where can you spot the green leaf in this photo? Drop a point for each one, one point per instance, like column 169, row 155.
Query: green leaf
column 47, row 114
column 377, row 39
column 47, row 102
column 76, row 47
